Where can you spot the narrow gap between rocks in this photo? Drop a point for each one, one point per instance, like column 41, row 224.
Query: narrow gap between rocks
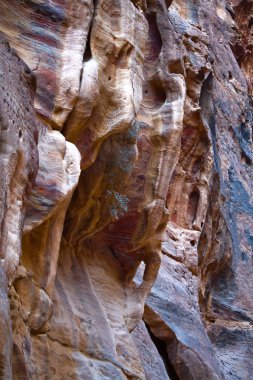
column 87, row 53
column 162, row 349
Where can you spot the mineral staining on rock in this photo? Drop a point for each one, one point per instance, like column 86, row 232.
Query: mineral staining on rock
column 126, row 206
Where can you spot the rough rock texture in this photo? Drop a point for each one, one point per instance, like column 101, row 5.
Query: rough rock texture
column 18, row 166
column 133, row 258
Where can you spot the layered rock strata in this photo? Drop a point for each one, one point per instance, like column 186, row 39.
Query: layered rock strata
column 126, row 205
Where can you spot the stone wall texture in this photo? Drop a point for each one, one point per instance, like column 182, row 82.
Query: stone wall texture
column 126, row 196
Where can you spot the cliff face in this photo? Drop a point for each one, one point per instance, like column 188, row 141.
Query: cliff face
column 139, row 264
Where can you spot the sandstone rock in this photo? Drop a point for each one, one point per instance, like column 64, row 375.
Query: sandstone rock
column 157, row 97
column 152, row 363
column 58, row 174
column 18, row 167
column 5, row 330
column 173, row 315
column 18, row 155
column 50, row 37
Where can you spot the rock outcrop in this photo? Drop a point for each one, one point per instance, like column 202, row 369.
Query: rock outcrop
column 126, row 207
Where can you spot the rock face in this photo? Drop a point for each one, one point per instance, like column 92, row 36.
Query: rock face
column 18, row 167
column 126, row 206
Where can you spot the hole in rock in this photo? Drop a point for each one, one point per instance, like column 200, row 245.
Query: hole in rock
column 154, row 95
column 250, row 24
column 176, row 67
column 154, row 42
column 193, row 206
column 196, row 166
column 27, row 71
column 193, row 242
column 162, row 349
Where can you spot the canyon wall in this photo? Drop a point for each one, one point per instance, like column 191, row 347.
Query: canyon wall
column 126, row 201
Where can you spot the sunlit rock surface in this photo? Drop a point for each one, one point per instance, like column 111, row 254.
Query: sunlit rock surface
column 126, row 200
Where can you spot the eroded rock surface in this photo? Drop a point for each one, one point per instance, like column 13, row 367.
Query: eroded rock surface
column 126, row 206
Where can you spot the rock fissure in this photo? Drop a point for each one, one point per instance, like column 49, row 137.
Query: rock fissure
column 162, row 349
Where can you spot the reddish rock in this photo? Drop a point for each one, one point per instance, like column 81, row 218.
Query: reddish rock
column 157, row 97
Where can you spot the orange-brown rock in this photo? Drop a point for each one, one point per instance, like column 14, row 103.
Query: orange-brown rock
column 126, row 207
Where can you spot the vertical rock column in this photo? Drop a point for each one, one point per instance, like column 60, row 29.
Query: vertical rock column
column 18, row 168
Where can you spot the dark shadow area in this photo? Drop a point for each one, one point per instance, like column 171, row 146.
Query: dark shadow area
column 193, row 206
column 162, row 349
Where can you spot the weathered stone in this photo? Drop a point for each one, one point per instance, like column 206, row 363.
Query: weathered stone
column 157, row 97
column 50, row 37
column 172, row 312
column 151, row 360
column 18, row 154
